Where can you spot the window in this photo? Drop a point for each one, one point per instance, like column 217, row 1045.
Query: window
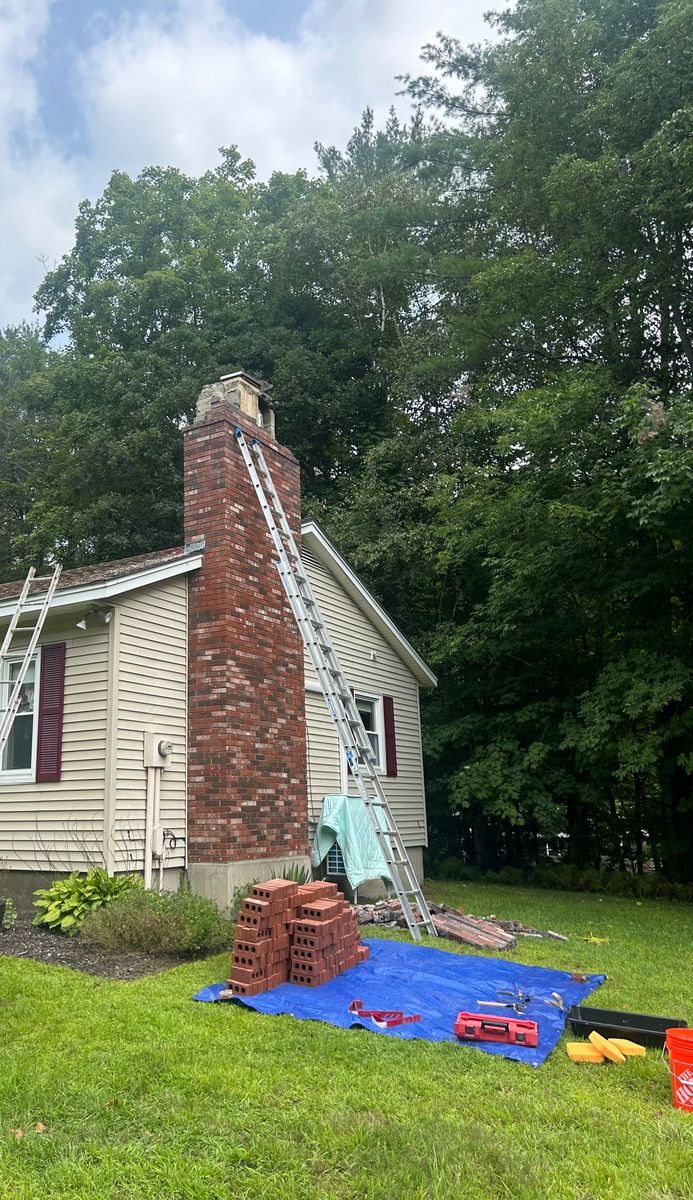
column 18, row 756
column 371, row 712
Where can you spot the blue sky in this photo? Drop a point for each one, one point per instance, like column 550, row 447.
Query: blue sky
column 87, row 86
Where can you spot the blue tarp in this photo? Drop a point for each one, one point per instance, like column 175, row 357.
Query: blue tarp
column 436, row 983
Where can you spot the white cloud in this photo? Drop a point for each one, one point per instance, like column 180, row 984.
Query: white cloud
column 171, row 87
column 39, row 191
column 176, row 91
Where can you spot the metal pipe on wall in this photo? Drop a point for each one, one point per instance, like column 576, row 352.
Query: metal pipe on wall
column 149, row 825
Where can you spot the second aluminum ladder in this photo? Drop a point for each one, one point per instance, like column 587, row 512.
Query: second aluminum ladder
column 10, row 707
column 335, row 689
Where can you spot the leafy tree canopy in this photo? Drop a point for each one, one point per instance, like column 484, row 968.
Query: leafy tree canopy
column 478, row 326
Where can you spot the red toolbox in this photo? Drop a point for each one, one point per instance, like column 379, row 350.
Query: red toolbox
column 478, row 1027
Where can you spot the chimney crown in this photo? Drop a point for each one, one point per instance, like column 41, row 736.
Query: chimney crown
column 242, row 391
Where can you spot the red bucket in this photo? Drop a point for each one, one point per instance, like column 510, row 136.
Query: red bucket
column 679, row 1045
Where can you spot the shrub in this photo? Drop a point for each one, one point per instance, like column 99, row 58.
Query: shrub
column 590, row 879
column 449, row 867
column 564, row 877
column 294, row 873
column 514, row 876
column 9, row 916
column 165, row 922
column 65, row 905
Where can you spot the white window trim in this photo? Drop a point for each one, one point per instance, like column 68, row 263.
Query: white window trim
column 29, row 776
column 377, row 702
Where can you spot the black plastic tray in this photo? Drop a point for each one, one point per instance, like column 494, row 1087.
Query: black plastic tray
column 646, row 1030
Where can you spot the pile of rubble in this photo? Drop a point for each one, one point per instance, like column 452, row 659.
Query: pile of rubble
column 489, row 933
column 519, row 929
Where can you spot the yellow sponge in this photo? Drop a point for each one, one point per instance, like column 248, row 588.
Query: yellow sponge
column 630, row 1049
column 584, row 1052
column 606, row 1047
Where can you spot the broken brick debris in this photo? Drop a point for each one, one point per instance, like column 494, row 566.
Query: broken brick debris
column 471, row 930
column 488, row 933
column 290, row 933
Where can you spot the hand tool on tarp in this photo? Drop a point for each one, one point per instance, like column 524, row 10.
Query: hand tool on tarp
column 558, row 1002
column 386, row 1018
column 517, row 1000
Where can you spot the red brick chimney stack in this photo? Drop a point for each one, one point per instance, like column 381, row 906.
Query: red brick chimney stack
column 247, row 793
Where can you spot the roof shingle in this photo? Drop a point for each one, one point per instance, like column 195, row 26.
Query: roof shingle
column 96, row 573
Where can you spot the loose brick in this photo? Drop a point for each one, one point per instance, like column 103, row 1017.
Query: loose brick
column 303, row 980
column 258, row 908
column 262, row 946
column 321, row 910
column 318, row 890
column 254, row 961
column 247, row 974
column 274, row 890
column 321, row 930
column 305, row 954
column 249, row 989
column 253, row 926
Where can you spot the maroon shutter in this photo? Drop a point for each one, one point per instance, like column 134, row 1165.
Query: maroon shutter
column 390, row 740
column 50, row 713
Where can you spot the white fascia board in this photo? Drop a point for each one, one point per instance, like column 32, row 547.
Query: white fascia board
column 318, row 544
column 107, row 589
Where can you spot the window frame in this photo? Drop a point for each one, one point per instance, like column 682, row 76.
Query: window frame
column 28, row 775
column 379, row 721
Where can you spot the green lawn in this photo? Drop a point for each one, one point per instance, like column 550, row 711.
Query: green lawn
column 146, row 1095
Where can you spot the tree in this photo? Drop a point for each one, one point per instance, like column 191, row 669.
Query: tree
column 24, row 366
column 557, row 601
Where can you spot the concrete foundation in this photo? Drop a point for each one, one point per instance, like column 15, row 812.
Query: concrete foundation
column 221, row 881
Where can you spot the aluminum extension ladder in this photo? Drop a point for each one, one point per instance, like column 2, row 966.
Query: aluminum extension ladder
column 8, row 711
column 336, row 691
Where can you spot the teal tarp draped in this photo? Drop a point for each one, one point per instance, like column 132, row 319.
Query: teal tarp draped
column 344, row 820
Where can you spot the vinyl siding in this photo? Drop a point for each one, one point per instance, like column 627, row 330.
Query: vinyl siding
column 151, row 697
column 59, row 826
column 323, row 756
column 371, row 666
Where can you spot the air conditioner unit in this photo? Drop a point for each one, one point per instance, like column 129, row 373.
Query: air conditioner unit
column 335, row 862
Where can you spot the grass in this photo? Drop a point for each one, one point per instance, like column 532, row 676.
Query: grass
column 147, row 1096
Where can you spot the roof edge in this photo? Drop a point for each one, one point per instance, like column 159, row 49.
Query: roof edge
column 106, row 589
column 319, row 544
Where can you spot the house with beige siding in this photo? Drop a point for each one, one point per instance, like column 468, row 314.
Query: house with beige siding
column 170, row 718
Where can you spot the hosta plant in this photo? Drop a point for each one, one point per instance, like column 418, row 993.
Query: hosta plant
column 65, row 905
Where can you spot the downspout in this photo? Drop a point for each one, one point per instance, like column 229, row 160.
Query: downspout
column 152, row 773
column 157, row 755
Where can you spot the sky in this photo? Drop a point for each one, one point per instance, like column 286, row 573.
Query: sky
column 87, row 87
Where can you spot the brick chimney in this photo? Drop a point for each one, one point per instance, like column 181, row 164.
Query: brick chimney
column 247, row 793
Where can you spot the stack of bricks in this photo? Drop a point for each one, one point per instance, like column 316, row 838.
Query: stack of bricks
column 325, row 936
column 290, row 933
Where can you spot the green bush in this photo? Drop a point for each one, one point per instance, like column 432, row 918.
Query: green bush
column 10, row 914
column 454, row 868
column 65, row 905
column 164, row 922
column 514, row 876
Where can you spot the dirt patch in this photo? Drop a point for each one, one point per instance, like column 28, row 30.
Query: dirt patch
column 25, row 940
